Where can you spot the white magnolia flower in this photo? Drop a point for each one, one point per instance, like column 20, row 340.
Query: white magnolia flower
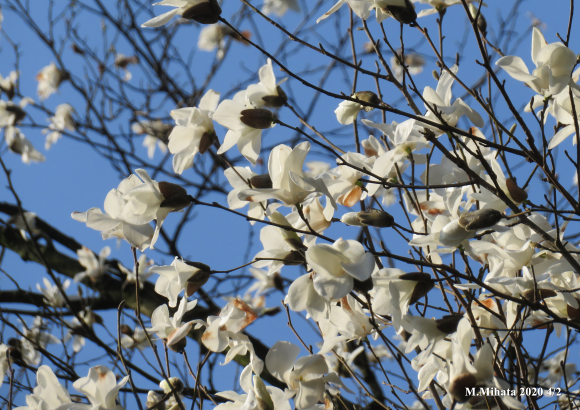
column 137, row 339
column 257, row 395
column 413, row 61
column 202, row 11
column 240, row 178
column 48, row 393
column 193, row 132
column 20, row 145
column 212, row 37
column 267, row 92
column 437, row 5
column 303, row 296
column 289, row 185
column 155, row 135
column 112, row 223
column 174, row 278
column 61, row 120
column 245, row 125
column 171, row 329
column 440, row 99
column 264, row 281
column 94, row 267
column 52, row 295
column 101, row 388
column 554, row 63
column 77, row 329
column 49, row 79
column 35, row 337
column 233, row 318
column 146, row 269
column 306, row 377
column 122, row 61
column 337, row 266
column 361, row 8
column 8, row 84
column 280, row 7
column 277, row 250
column 11, row 113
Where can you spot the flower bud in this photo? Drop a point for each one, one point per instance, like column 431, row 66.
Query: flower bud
column 175, row 196
column 435, row 74
column 153, row 399
column 538, row 295
column 448, row 324
column 258, row 118
column 403, row 14
column 276, row 101
column 481, row 219
column 481, row 22
column 123, row 61
column 207, row 12
column 423, row 286
column 368, row 97
column 350, row 218
column 294, row 258
column 376, row 217
column 261, row 181
column 173, row 381
column 206, row 141
column 263, row 397
column 278, row 282
column 126, row 330
column 518, row 194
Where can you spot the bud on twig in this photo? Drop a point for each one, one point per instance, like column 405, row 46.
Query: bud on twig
column 368, row 97
column 205, row 13
column 261, row 181
column 518, row 194
column 403, row 13
column 258, row 118
column 481, row 219
column 423, row 286
column 376, row 217
column 175, row 196
column 174, row 382
column 276, row 101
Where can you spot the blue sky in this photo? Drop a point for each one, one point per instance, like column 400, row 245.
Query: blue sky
column 75, row 178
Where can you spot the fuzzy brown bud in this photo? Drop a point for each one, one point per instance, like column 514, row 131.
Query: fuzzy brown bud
column 376, row 217
column 423, row 286
column 258, row 118
column 261, row 181
column 363, row 286
column 481, row 219
column 458, row 387
column 403, row 14
column 448, row 324
column 538, row 295
column 175, row 196
column 126, row 330
column 18, row 112
column 276, row 101
column 207, row 12
column 196, row 281
column 368, row 97
column 174, row 382
column 294, row 258
column 518, row 194
column 206, row 141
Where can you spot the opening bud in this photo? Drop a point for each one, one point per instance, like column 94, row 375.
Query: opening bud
column 153, row 399
column 276, row 101
column 518, row 194
column 126, row 330
column 258, row 118
column 350, row 218
column 376, row 217
column 207, row 12
column 261, row 181
column 481, row 219
column 175, row 382
column 481, row 22
column 368, row 97
column 405, row 14
column 262, row 395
